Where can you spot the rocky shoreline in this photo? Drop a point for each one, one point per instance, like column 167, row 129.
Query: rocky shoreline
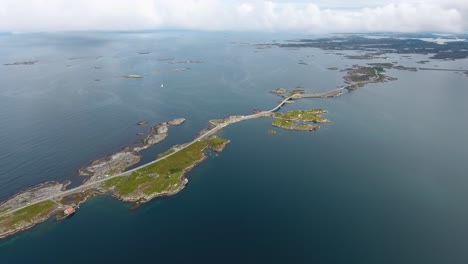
column 298, row 126
column 139, row 196
column 32, row 215
column 28, row 217
column 300, row 120
column 128, row 156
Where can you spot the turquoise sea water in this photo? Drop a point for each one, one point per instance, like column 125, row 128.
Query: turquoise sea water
column 386, row 182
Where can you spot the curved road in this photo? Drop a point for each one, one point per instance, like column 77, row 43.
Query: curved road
column 212, row 131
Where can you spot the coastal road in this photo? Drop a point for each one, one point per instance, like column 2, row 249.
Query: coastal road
column 373, row 79
column 210, row 132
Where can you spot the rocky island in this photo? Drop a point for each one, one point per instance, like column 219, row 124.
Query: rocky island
column 359, row 76
column 279, row 91
column 162, row 177
column 300, row 120
column 389, row 43
column 165, row 176
column 128, row 156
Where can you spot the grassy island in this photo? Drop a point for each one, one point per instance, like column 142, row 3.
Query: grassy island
column 165, row 176
column 291, row 125
column 312, row 115
column 300, row 119
column 359, row 76
column 26, row 217
column 279, row 91
column 296, row 91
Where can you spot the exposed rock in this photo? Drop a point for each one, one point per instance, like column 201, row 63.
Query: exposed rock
column 153, row 139
column 161, row 128
column 272, row 132
column 113, row 164
column 279, row 91
column 129, row 156
column 177, row 121
column 142, row 123
column 36, row 192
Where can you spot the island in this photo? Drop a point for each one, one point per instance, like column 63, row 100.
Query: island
column 128, row 156
column 21, row 63
column 300, row 120
column 279, row 91
column 164, row 176
column 358, row 76
column 384, row 43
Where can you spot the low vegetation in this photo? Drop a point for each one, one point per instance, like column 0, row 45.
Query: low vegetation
column 165, row 175
column 167, row 152
column 28, row 214
column 77, row 198
column 312, row 115
column 279, row 91
column 363, row 74
column 300, row 119
column 283, row 123
column 296, row 91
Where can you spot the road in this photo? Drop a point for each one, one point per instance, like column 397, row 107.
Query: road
column 210, row 132
column 375, row 78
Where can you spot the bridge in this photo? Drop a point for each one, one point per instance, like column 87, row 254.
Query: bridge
column 215, row 129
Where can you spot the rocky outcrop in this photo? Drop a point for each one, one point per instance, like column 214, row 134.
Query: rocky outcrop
column 177, row 121
column 129, row 156
column 37, row 192
column 116, row 163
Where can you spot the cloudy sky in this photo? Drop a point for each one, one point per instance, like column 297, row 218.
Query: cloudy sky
column 252, row 15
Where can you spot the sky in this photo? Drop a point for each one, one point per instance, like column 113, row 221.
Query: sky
column 308, row 16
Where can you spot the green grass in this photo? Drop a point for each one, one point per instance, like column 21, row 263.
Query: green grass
column 216, row 142
column 312, row 115
column 167, row 152
column 295, row 119
column 365, row 74
column 110, row 182
column 280, row 91
column 283, row 123
column 165, row 174
column 29, row 213
column 303, row 127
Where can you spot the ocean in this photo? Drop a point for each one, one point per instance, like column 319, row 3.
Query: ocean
column 385, row 182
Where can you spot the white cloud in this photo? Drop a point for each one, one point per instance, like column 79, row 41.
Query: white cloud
column 275, row 15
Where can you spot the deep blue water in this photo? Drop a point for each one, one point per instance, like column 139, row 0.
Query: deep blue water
column 386, row 182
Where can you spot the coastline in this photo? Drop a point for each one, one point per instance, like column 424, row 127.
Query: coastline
column 97, row 184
